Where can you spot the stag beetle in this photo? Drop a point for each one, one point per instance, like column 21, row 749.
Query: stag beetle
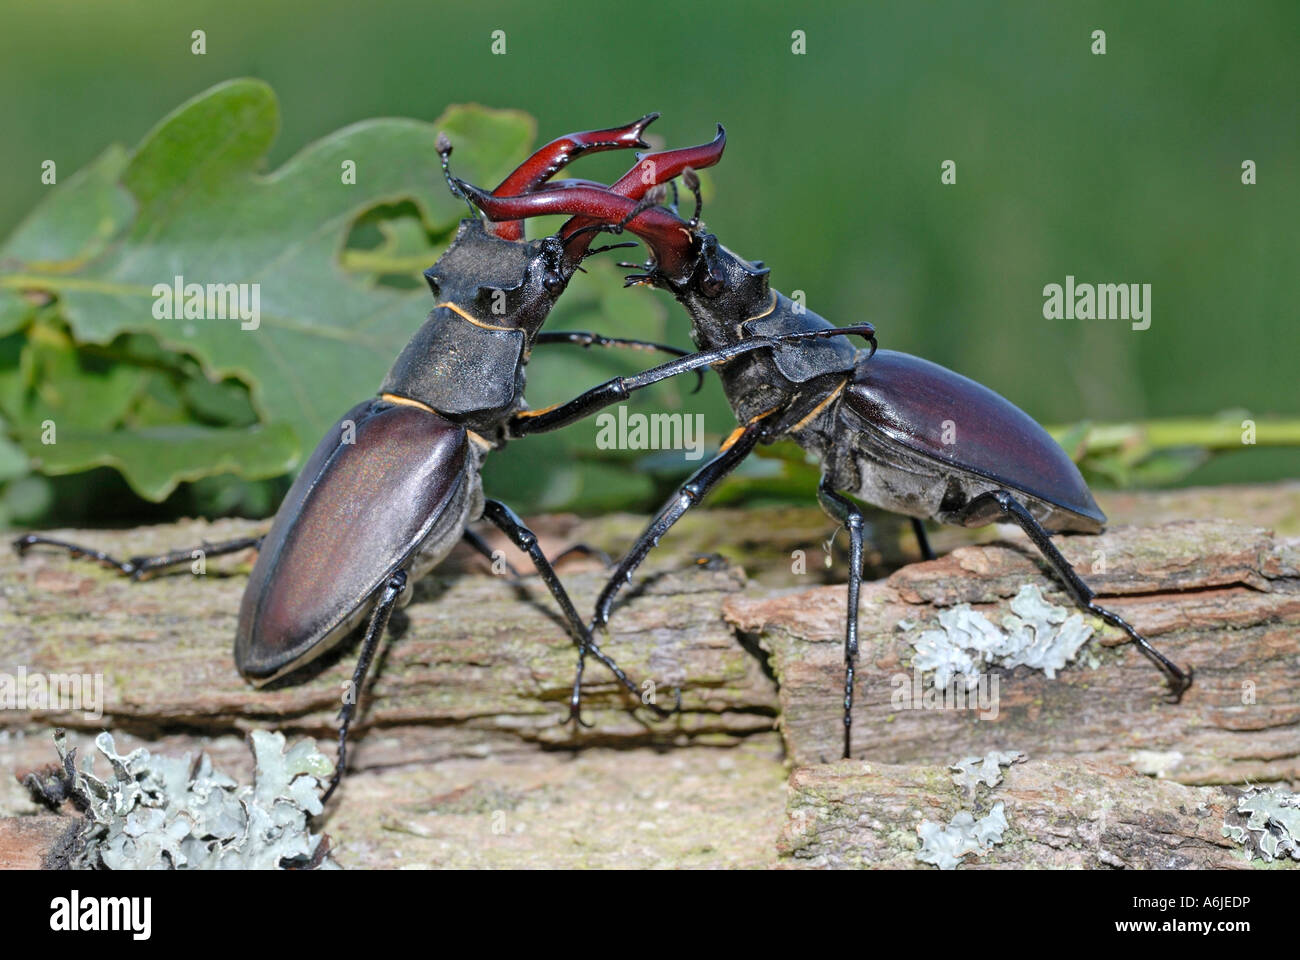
column 875, row 420
column 391, row 488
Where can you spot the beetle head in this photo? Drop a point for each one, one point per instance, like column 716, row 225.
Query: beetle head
column 489, row 270
column 501, row 283
column 723, row 290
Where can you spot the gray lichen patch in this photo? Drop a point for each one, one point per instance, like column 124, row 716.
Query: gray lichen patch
column 1035, row 634
column 1271, row 824
column 945, row 846
column 159, row 812
column 972, row 771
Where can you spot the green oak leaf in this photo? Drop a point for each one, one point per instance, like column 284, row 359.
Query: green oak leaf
column 13, row 461
column 55, row 382
column 203, row 210
column 155, row 459
column 15, row 311
column 76, row 222
column 405, row 249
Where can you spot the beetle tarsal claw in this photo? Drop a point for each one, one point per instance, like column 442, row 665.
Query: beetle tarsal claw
column 1179, row 686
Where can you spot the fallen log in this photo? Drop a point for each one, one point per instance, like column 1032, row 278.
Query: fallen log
column 476, row 664
column 1217, row 596
column 600, row 807
column 1058, row 813
column 26, row 841
column 471, row 688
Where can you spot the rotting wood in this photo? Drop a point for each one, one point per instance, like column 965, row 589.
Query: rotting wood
column 478, row 672
column 1060, row 814
column 1217, row 596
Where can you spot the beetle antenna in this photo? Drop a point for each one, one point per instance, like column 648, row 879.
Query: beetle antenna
column 653, row 198
column 692, row 181
column 592, row 228
column 610, row 246
column 444, row 154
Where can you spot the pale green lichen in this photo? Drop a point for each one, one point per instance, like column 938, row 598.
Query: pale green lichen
column 1035, row 634
column 159, row 812
column 1156, row 763
column 945, row 846
column 1272, row 826
column 972, row 771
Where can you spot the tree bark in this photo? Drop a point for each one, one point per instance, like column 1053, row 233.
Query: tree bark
column 1221, row 598
column 476, row 664
column 469, row 693
column 1060, row 814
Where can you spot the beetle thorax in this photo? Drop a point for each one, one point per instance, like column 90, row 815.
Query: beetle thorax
column 492, row 295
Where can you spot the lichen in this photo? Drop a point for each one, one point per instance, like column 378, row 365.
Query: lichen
column 1156, row 763
column 1035, row 634
column 159, row 812
column 972, row 771
column 945, row 846
column 1272, row 826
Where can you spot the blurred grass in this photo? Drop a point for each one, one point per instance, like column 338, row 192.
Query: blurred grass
column 1119, row 168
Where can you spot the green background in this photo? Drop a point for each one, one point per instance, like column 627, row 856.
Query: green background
column 1117, row 168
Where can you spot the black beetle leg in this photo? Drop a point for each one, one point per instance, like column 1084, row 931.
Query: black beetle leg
column 577, row 550
column 137, row 567
column 739, row 446
column 619, row 388
column 1179, row 680
column 586, row 339
column 392, row 590
column 922, row 540
column 847, row 512
column 483, row 547
column 583, row 550
column 510, row 524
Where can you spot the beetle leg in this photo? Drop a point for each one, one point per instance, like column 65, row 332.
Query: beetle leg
column 482, row 546
column 922, row 540
column 583, row 550
column 1083, row 595
column 578, row 549
column 392, row 590
column 583, row 338
column 138, row 567
column 510, row 524
column 739, row 446
column 612, row 391
column 847, row 512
